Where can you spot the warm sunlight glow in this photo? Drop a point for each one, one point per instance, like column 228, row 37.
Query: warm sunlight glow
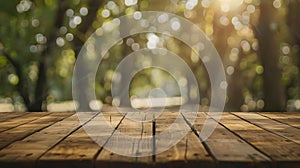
column 229, row 5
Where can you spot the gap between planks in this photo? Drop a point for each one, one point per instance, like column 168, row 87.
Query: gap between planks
column 26, row 152
column 22, row 119
column 283, row 152
column 27, row 129
column 78, row 149
column 194, row 153
column 232, row 129
column 284, row 118
column 274, row 127
column 228, row 149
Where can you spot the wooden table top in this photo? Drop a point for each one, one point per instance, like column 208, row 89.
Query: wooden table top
column 57, row 139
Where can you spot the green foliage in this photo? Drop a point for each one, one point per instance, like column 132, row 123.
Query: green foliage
column 29, row 34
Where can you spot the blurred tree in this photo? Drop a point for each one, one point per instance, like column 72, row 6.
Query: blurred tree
column 12, row 48
column 293, row 22
column 40, row 40
column 35, row 92
column 269, row 50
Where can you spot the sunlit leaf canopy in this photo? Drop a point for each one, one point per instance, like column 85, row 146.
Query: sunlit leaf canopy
column 40, row 40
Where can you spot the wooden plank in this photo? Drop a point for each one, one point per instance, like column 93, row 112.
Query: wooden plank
column 188, row 152
column 26, row 152
column 145, row 144
column 162, row 133
column 163, row 124
column 22, row 131
column 196, row 154
column 228, row 149
column 283, row 152
column 14, row 122
column 292, row 119
column 138, row 133
column 235, row 142
column 283, row 130
column 9, row 115
column 78, row 149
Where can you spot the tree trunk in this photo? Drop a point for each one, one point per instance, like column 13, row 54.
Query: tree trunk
column 85, row 29
column 275, row 99
column 293, row 22
column 40, row 90
column 234, row 91
column 235, row 84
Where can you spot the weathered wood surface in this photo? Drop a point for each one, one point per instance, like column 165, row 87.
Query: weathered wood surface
column 60, row 140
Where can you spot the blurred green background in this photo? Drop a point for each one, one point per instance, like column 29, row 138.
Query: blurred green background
column 258, row 41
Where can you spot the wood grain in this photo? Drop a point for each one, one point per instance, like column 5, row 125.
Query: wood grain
column 26, row 152
column 14, row 122
column 9, row 115
column 291, row 119
column 275, row 127
column 228, row 149
column 64, row 140
column 78, row 149
column 9, row 136
column 282, row 151
column 137, row 134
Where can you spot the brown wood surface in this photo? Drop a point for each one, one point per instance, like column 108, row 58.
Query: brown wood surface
column 137, row 131
column 14, row 122
column 188, row 150
column 26, row 152
column 286, row 118
column 282, row 151
column 61, row 140
column 275, row 127
column 9, row 136
column 227, row 148
column 76, row 150
column 9, row 115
